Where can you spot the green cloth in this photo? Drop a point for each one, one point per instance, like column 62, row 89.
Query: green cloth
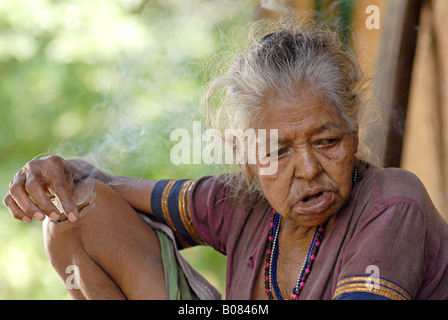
column 177, row 286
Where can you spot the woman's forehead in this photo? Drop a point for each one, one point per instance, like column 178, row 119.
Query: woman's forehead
column 305, row 112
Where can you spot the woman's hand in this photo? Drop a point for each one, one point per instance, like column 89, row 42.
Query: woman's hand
column 44, row 185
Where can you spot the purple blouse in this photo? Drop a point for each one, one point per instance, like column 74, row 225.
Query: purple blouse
column 387, row 242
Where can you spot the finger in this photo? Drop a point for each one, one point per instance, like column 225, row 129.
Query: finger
column 60, row 189
column 37, row 192
column 15, row 210
column 22, row 200
column 56, row 202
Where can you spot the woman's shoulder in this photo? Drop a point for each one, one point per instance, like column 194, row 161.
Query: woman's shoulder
column 388, row 186
column 230, row 191
column 393, row 203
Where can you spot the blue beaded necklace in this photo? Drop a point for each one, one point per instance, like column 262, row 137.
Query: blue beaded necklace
column 272, row 255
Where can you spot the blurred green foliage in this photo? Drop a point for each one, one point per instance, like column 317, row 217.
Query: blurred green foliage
column 107, row 81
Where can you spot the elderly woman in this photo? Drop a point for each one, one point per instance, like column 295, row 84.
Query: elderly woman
column 324, row 225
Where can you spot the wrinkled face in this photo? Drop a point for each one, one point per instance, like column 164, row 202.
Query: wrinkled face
column 315, row 158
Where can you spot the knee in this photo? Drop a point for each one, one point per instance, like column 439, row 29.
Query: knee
column 88, row 192
column 91, row 195
column 62, row 239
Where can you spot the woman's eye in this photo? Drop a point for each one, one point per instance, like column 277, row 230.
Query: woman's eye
column 281, row 151
column 278, row 153
column 327, row 142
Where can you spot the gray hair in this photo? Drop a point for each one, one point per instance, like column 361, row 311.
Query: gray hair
column 289, row 58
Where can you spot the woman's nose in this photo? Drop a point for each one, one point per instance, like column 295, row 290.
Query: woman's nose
column 306, row 165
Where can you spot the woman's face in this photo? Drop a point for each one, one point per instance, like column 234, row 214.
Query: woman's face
column 315, row 159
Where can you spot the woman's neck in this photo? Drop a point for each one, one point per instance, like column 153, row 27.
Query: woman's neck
column 297, row 237
column 294, row 238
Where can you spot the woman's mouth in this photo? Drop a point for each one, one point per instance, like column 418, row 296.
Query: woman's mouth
column 315, row 203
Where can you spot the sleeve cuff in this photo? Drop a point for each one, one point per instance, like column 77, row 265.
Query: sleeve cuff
column 170, row 203
column 363, row 287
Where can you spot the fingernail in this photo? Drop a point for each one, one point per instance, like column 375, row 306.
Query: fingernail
column 39, row 216
column 26, row 219
column 54, row 216
column 72, row 217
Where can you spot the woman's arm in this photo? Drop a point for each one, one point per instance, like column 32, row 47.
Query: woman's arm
column 135, row 191
column 44, row 185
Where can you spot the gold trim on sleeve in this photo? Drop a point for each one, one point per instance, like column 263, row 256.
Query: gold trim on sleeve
column 166, row 213
column 363, row 284
column 184, row 210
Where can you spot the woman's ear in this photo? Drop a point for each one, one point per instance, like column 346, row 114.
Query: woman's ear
column 355, row 141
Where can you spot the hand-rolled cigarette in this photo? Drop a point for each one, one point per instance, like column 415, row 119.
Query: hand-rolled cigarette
column 63, row 216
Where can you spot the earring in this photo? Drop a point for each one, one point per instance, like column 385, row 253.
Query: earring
column 355, row 175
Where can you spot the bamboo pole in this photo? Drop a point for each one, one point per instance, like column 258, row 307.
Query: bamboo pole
column 393, row 78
